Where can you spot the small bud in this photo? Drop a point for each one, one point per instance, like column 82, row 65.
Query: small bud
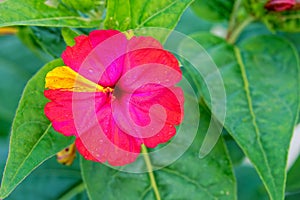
column 280, row 5
column 67, row 155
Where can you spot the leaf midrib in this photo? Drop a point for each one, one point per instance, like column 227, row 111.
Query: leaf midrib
column 254, row 123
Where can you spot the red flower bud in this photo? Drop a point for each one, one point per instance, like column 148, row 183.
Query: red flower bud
column 280, row 5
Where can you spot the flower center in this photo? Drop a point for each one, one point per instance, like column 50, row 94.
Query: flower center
column 117, row 93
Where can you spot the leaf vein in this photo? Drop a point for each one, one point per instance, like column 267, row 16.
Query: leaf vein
column 252, row 114
column 157, row 13
column 188, row 179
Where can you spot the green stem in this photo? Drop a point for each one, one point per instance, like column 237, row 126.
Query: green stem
column 237, row 31
column 72, row 192
column 150, row 172
column 233, row 16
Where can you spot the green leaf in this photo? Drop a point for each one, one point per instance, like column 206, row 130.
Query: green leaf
column 213, row 10
column 69, row 35
column 189, row 177
column 262, row 88
column 235, row 152
column 58, row 180
column 25, row 34
column 32, row 139
column 293, row 38
column 130, row 14
column 83, row 5
column 38, row 13
column 253, row 29
column 199, row 24
column 43, row 40
column 293, row 176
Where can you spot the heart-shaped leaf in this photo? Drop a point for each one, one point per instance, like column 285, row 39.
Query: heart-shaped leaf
column 32, row 139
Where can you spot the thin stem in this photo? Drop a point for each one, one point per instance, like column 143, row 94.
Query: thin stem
column 233, row 17
column 150, row 172
column 72, row 192
column 237, row 31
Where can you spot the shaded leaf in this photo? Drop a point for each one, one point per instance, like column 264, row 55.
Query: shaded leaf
column 261, row 83
column 293, row 176
column 15, row 70
column 235, row 152
column 32, row 139
column 43, row 40
column 249, row 185
column 185, row 27
column 213, row 10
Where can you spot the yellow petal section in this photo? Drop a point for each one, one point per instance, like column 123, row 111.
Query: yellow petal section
column 65, row 79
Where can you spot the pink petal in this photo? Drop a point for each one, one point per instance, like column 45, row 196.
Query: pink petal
column 94, row 58
column 74, row 56
column 149, row 66
column 106, row 142
column 150, row 115
column 60, row 110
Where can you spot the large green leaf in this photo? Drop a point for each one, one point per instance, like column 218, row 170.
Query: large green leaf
column 130, row 14
column 214, row 10
column 262, row 89
column 189, row 177
column 39, row 13
column 32, row 139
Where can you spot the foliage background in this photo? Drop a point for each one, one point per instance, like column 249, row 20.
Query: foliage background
column 23, row 55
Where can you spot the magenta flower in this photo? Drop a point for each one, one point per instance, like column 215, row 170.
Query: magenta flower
column 115, row 94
